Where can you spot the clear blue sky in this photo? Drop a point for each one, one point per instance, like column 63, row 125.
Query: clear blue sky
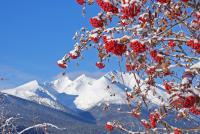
column 34, row 34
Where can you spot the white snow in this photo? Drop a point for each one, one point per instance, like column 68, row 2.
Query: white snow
column 196, row 66
column 89, row 92
column 25, row 90
column 98, row 93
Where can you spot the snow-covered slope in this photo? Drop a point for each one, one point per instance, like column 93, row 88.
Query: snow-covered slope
column 84, row 92
column 99, row 92
column 36, row 92
column 61, row 83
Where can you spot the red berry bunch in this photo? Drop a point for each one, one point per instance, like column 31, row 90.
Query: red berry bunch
column 137, row 47
column 109, row 126
column 129, row 67
column 185, row 0
column 107, row 6
column 151, row 70
column 80, row 2
column 94, row 39
column 167, row 86
column 74, row 54
column 184, row 102
column 96, row 22
column 156, row 56
column 142, row 19
column 163, row 1
column 195, row 110
column 189, row 101
column 171, row 44
column 177, row 131
column 114, row 47
column 195, row 44
column 131, row 10
column 62, row 64
column 154, row 117
column 145, row 124
column 100, row 65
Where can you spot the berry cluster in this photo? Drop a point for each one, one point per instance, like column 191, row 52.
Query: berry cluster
column 137, row 47
column 114, row 47
column 107, row 6
column 80, row 2
column 129, row 67
column 109, row 126
column 74, row 54
column 189, row 101
column 194, row 110
column 195, row 44
column 171, row 44
column 143, row 19
column 177, row 131
column 151, row 70
column 145, row 124
column 167, row 86
column 131, row 10
column 184, row 102
column 94, row 39
column 156, row 56
column 163, row 1
column 100, row 65
column 185, row 0
column 154, row 117
column 62, row 64
column 96, row 22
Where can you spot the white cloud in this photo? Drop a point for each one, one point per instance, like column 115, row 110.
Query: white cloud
column 13, row 77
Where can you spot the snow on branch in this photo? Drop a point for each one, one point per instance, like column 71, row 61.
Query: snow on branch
column 40, row 126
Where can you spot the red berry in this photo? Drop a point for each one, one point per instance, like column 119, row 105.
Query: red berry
column 189, row 101
column 163, row 1
column 73, row 55
column 94, row 39
column 137, row 47
column 195, row 44
column 177, row 131
column 62, row 64
column 96, row 22
column 100, row 65
column 151, row 70
column 130, row 10
column 145, row 124
column 171, row 44
column 80, row 2
column 107, row 6
column 109, row 126
column 129, row 67
column 156, row 56
column 185, row 0
column 153, row 117
column 195, row 110
column 167, row 86
column 114, row 47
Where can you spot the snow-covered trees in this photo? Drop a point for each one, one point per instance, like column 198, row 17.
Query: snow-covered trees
column 156, row 39
column 8, row 124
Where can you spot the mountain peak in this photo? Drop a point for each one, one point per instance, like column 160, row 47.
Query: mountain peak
column 29, row 86
column 82, row 76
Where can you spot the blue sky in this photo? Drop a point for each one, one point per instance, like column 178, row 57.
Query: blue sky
column 34, row 34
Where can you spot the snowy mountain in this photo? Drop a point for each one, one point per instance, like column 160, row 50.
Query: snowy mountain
column 84, row 92
column 79, row 105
